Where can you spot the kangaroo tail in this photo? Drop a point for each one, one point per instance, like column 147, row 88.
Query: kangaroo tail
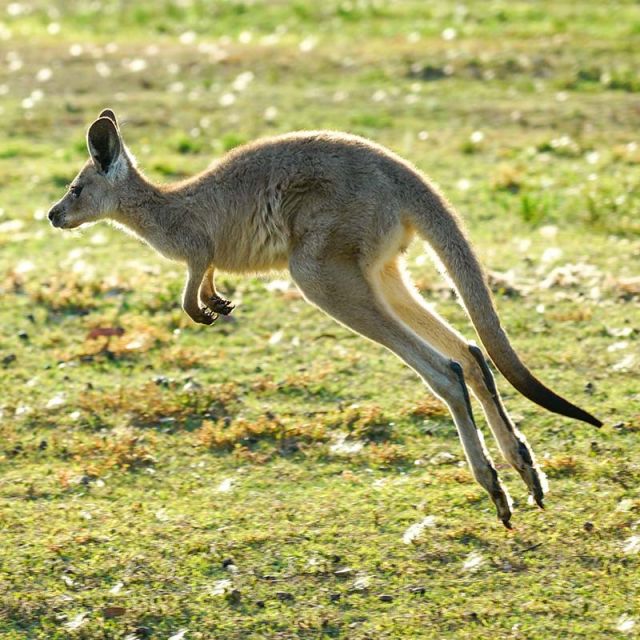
column 438, row 225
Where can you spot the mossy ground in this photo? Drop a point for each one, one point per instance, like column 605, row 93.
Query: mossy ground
column 275, row 451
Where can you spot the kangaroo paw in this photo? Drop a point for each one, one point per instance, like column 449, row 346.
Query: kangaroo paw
column 220, row 305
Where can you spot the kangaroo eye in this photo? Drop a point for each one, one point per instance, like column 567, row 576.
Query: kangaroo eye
column 76, row 190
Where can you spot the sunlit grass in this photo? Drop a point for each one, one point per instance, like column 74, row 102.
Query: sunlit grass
column 274, row 476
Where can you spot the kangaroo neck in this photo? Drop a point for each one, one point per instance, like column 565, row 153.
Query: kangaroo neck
column 145, row 210
column 162, row 218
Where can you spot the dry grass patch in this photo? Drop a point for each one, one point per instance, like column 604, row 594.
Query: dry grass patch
column 159, row 402
column 430, row 407
column 122, row 449
column 228, row 434
column 561, row 465
column 362, row 423
column 66, row 293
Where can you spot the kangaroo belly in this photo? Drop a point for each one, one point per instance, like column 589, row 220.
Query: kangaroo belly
column 260, row 243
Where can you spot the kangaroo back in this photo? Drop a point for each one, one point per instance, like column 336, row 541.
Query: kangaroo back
column 438, row 225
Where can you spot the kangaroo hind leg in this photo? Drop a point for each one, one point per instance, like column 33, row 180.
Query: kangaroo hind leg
column 395, row 287
column 341, row 288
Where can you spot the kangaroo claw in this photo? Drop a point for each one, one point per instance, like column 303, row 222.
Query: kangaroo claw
column 220, row 305
column 207, row 316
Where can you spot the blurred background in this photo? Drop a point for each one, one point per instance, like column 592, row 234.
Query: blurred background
column 500, row 88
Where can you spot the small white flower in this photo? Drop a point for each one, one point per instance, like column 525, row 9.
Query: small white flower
column 44, row 74
column 76, row 622
column 618, row 346
column 362, row 583
column 625, row 623
column 342, row 446
column 188, row 37
column 624, row 505
column 626, row 364
column 225, row 486
column 551, row 254
column 592, row 157
column 15, row 9
column 278, row 285
column 137, row 65
column 57, row 401
column 117, row 587
column 162, row 515
column 220, row 587
column 308, row 44
column 135, row 343
column 632, row 545
column 449, row 34
column 11, row 226
column 549, row 230
column 103, row 69
column 242, row 81
column 270, row 114
column 415, row 530
column 270, row 39
column 24, row 266
column 473, row 561
column 226, row 99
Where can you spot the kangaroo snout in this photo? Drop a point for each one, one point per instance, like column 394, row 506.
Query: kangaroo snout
column 55, row 216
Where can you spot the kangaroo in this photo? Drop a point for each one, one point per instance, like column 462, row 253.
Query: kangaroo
column 339, row 211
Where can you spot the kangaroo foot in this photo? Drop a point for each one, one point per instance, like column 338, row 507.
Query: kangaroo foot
column 500, row 499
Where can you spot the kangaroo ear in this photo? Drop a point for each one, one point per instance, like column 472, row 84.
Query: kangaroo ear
column 108, row 113
column 103, row 141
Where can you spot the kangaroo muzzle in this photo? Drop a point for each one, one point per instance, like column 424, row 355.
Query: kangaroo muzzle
column 56, row 216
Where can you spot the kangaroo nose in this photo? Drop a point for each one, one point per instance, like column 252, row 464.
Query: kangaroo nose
column 54, row 214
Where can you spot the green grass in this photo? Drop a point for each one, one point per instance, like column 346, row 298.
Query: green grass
column 139, row 471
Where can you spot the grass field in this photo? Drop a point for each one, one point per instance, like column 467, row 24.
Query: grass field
column 259, row 478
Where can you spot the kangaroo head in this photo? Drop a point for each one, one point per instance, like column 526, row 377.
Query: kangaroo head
column 94, row 194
